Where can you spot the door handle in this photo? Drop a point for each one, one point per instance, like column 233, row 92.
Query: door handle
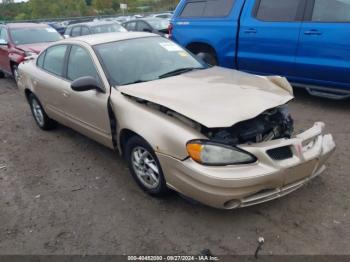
column 250, row 31
column 312, row 32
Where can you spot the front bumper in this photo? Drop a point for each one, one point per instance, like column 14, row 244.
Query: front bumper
column 231, row 187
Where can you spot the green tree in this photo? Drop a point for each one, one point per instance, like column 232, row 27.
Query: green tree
column 102, row 5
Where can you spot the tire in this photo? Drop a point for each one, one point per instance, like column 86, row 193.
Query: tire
column 39, row 114
column 208, row 58
column 145, row 167
column 14, row 69
column 2, row 75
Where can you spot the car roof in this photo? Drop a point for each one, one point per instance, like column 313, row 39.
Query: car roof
column 94, row 23
column 147, row 19
column 108, row 37
column 25, row 25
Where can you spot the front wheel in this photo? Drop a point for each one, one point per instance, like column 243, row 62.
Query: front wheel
column 15, row 74
column 41, row 118
column 145, row 167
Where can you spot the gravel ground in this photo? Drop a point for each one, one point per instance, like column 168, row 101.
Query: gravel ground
column 62, row 193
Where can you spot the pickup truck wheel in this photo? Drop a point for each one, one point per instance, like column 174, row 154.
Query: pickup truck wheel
column 209, row 58
column 145, row 167
column 40, row 117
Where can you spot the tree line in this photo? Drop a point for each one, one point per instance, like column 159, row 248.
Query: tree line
column 43, row 9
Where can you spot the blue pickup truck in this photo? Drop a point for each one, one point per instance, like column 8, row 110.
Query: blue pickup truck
column 307, row 41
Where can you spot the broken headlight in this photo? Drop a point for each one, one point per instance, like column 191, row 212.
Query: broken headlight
column 214, row 154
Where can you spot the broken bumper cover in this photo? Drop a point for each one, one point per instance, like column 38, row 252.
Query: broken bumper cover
column 283, row 166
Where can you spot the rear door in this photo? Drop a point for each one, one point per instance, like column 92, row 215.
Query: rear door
column 269, row 36
column 324, row 50
column 48, row 81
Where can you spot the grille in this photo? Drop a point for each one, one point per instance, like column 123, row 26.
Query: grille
column 280, row 153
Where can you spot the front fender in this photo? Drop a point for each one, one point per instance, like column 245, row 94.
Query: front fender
column 164, row 133
column 16, row 57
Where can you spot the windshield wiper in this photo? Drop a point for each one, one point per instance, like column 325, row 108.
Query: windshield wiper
column 178, row 72
column 136, row 82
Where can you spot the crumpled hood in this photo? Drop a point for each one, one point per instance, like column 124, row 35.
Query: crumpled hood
column 215, row 97
column 35, row 48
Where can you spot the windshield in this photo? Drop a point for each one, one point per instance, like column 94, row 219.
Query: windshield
column 22, row 36
column 159, row 24
column 145, row 59
column 108, row 28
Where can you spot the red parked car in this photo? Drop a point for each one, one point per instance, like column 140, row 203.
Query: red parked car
column 21, row 40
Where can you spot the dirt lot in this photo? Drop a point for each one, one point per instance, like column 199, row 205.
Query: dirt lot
column 62, row 193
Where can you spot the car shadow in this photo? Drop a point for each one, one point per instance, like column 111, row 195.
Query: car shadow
column 303, row 97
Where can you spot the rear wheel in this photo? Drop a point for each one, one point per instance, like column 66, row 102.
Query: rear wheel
column 208, row 58
column 2, row 75
column 145, row 167
column 40, row 117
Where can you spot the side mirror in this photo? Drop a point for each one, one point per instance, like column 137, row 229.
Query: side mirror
column 86, row 83
column 3, row 42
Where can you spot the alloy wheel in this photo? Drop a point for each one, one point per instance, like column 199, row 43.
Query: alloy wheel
column 145, row 167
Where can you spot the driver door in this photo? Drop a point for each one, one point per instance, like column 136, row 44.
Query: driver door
column 87, row 112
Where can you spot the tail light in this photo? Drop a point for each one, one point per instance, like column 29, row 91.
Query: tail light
column 170, row 29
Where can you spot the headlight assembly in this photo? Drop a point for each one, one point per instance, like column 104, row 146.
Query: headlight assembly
column 213, row 154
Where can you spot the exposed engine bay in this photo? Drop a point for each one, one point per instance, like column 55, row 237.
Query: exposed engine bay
column 273, row 124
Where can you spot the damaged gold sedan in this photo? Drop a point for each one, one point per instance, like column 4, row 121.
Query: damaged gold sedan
column 219, row 136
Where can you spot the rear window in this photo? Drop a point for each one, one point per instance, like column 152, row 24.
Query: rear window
column 331, row 11
column 208, row 8
column 278, row 11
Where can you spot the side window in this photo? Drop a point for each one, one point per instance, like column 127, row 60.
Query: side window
column 331, row 11
column 143, row 27
column 40, row 60
column 54, row 59
column 68, row 31
column 208, row 8
column 75, row 31
column 194, row 9
column 80, row 64
column 278, row 11
column 3, row 35
column 85, row 30
column 131, row 26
